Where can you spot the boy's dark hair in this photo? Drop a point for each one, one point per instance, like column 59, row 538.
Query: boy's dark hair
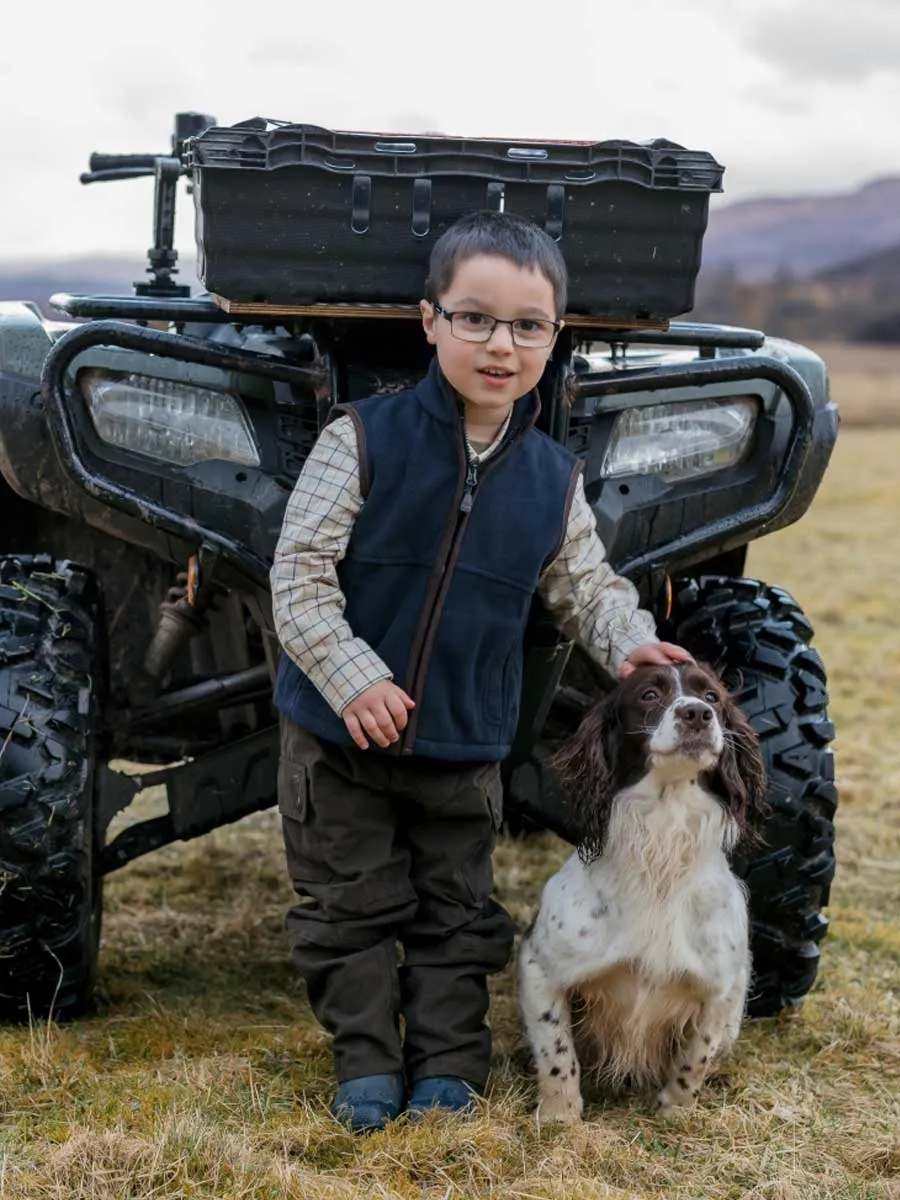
column 502, row 233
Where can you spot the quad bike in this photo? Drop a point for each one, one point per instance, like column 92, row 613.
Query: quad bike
column 148, row 445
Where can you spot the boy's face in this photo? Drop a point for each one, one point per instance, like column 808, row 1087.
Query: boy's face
column 490, row 376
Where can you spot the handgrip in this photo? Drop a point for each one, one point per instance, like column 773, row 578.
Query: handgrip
column 116, row 162
column 123, row 173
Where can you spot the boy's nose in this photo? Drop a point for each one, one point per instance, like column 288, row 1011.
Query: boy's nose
column 501, row 338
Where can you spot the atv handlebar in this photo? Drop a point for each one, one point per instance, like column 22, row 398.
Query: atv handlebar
column 116, row 162
column 131, row 166
column 165, row 170
column 105, row 168
column 109, row 176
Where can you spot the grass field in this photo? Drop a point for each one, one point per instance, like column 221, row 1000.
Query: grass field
column 204, row 1076
column 865, row 381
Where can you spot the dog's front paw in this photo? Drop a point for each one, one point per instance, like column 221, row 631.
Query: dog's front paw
column 562, row 1109
column 674, row 1096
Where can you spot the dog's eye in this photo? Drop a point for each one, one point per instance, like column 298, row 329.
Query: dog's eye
column 711, row 698
column 650, row 695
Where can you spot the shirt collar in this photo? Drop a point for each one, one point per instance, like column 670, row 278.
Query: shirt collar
column 480, row 455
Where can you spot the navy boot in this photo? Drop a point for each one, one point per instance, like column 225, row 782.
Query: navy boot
column 369, row 1101
column 444, row 1092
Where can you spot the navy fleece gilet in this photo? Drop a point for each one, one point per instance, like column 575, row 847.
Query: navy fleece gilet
column 442, row 595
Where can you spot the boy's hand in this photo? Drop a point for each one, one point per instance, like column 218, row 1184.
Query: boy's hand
column 380, row 711
column 661, row 654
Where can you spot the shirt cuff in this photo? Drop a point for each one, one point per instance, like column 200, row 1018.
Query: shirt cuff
column 349, row 669
column 624, row 637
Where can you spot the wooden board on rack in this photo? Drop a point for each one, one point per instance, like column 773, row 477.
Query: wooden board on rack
column 239, row 308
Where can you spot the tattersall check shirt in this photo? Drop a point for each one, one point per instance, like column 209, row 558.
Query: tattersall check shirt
column 589, row 602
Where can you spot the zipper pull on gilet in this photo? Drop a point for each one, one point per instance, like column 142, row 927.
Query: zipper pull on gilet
column 465, row 505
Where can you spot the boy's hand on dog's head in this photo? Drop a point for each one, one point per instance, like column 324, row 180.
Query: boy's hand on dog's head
column 661, row 654
column 379, row 713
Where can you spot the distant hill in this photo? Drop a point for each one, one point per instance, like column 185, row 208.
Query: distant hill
column 856, row 301
column 100, row 275
column 802, row 234
column 880, row 270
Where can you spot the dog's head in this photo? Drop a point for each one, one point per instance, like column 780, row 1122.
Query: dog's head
column 676, row 722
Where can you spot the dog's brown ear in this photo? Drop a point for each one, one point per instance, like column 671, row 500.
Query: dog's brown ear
column 587, row 768
column 740, row 777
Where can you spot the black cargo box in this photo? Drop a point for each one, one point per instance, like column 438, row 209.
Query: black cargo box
column 298, row 215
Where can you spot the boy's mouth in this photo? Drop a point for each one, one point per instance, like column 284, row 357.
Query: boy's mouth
column 496, row 372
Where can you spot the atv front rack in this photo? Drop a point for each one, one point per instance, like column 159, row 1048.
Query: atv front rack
column 206, row 311
column 68, row 420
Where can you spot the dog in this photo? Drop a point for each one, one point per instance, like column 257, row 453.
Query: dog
column 637, row 965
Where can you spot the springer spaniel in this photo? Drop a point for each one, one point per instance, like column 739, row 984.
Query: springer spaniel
column 638, row 962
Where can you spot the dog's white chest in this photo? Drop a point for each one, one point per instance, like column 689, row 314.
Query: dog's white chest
column 614, row 913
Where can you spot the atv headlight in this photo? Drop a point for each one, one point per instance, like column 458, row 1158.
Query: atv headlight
column 680, row 441
column 172, row 422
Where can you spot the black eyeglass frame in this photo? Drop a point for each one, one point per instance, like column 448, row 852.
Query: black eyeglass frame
column 461, row 312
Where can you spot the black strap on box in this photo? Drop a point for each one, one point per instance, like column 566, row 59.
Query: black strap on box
column 556, row 207
column 421, row 208
column 361, row 210
column 495, row 196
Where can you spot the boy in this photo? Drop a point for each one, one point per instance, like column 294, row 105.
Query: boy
column 418, row 532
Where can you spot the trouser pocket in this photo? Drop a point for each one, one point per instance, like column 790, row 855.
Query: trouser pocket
column 490, row 780
column 300, row 826
column 293, row 790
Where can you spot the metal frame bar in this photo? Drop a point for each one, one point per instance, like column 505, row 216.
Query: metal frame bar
column 224, row 785
column 142, row 308
column 680, row 333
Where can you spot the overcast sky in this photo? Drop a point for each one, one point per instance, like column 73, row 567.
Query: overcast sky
column 790, row 95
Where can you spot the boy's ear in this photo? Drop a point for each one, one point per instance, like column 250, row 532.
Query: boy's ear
column 428, row 320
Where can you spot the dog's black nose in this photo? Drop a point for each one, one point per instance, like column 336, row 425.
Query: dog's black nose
column 694, row 712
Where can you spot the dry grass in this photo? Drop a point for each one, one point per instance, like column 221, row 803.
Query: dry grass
column 865, row 381
column 204, row 1076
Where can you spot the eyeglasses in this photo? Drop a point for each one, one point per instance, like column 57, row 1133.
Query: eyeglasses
column 528, row 332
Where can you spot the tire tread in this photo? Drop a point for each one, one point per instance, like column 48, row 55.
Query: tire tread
column 50, row 691
column 758, row 637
